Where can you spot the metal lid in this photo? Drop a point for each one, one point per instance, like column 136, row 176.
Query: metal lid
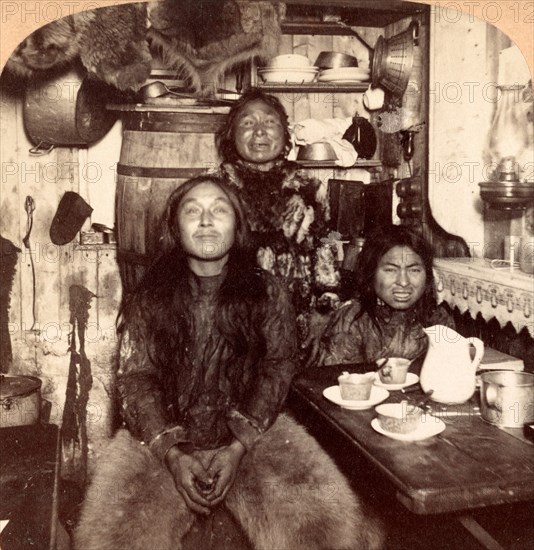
column 16, row 386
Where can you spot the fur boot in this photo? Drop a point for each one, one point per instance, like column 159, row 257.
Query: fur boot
column 288, row 494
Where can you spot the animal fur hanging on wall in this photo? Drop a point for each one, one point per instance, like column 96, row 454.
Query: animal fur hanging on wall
column 110, row 42
column 199, row 39
column 202, row 39
column 114, row 46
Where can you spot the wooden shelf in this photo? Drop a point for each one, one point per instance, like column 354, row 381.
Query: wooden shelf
column 320, row 87
column 365, row 164
column 357, row 13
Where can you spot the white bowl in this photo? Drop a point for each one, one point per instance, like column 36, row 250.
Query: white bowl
column 287, row 75
column 290, row 61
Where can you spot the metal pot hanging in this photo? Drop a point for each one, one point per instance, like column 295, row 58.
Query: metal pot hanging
column 68, row 109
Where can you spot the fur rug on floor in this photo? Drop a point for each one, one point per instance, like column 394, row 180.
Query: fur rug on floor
column 288, row 494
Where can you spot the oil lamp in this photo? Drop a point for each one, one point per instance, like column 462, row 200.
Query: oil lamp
column 508, row 135
column 509, row 149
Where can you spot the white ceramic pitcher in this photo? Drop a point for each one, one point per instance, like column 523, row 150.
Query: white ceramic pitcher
column 448, row 369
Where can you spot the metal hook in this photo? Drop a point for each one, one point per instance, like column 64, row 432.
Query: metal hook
column 38, row 152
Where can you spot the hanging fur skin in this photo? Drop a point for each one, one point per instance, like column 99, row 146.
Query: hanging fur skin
column 203, row 39
column 200, row 39
column 114, row 47
column 52, row 47
column 110, row 42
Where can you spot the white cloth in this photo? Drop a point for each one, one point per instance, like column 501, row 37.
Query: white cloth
column 312, row 130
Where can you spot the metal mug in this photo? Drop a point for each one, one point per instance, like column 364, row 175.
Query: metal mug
column 507, row 398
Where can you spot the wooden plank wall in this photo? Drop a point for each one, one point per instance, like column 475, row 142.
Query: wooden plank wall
column 41, row 345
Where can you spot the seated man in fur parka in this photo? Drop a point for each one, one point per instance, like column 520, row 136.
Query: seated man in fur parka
column 207, row 353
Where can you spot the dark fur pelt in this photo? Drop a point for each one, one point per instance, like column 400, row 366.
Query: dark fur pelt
column 288, row 494
column 202, row 39
column 114, row 46
column 49, row 48
column 110, row 42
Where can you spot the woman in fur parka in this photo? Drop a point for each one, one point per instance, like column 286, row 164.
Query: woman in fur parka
column 207, row 353
column 287, row 220
column 395, row 301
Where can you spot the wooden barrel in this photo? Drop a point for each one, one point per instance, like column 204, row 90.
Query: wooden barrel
column 161, row 148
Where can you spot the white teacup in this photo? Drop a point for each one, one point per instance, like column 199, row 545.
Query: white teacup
column 373, row 98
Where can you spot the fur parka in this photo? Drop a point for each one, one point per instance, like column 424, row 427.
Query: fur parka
column 288, row 494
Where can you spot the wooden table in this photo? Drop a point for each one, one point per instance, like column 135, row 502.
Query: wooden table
column 471, row 464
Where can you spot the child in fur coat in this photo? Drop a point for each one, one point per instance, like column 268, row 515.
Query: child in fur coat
column 207, row 353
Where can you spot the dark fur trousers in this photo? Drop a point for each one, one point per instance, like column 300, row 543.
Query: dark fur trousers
column 288, row 494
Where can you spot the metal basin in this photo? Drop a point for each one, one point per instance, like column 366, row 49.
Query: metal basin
column 335, row 60
column 317, row 151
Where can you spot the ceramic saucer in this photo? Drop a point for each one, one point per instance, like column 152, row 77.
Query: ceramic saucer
column 343, row 82
column 377, row 396
column 429, row 426
column 411, row 379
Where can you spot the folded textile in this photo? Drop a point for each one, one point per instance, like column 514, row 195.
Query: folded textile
column 345, row 152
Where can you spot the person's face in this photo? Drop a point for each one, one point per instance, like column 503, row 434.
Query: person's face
column 400, row 277
column 206, row 221
column 258, row 133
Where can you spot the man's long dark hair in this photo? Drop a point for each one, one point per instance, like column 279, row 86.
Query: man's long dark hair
column 163, row 302
column 225, row 137
column 376, row 245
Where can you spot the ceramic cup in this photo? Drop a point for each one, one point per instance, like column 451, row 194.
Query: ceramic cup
column 356, row 387
column 373, row 98
column 400, row 418
column 394, row 371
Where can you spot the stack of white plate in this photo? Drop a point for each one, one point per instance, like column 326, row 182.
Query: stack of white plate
column 293, row 75
column 345, row 75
